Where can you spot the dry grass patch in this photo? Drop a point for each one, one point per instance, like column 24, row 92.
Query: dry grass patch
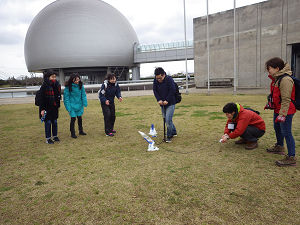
column 102, row 180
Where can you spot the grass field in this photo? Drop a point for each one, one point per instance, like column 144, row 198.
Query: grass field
column 96, row 179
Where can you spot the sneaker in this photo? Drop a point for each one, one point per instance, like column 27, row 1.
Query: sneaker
column 287, row 161
column 73, row 136
column 276, row 149
column 82, row 133
column 240, row 141
column 169, row 139
column 251, row 145
column 49, row 141
column 113, row 131
column 56, row 139
column 175, row 135
column 110, row 135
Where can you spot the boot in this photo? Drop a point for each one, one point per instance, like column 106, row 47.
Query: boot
column 251, row 145
column 276, row 149
column 72, row 127
column 240, row 141
column 80, row 128
column 287, row 161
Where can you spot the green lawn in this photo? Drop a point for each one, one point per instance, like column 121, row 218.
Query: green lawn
column 96, row 179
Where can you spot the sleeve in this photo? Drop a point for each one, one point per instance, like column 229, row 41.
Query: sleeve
column 286, row 88
column 226, row 130
column 43, row 98
column 118, row 91
column 155, row 91
column 171, row 89
column 241, row 126
column 67, row 99
column 102, row 97
column 83, row 96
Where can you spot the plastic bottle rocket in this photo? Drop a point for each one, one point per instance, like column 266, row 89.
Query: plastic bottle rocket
column 152, row 132
column 151, row 143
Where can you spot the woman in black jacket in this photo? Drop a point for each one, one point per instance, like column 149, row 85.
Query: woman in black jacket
column 107, row 93
column 50, row 103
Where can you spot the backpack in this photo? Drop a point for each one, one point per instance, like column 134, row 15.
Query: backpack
column 38, row 98
column 297, row 90
column 177, row 94
column 257, row 112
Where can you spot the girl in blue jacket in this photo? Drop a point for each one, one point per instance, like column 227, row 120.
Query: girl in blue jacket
column 75, row 101
column 107, row 93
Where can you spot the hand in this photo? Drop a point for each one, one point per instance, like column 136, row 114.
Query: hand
column 224, row 138
column 43, row 113
column 280, row 119
column 165, row 102
column 160, row 102
column 120, row 99
column 268, row 106
column 107, row 102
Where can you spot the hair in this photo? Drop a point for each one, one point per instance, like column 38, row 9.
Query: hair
column 110, row 76
column 159, row 71
column 274, row 63
column 230, row 108
column 48, row 73
column 71, row 80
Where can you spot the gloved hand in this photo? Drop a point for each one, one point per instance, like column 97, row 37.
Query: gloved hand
column 280, row 119
column 269, row 105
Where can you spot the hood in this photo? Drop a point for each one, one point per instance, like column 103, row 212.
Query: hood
column 285, row 70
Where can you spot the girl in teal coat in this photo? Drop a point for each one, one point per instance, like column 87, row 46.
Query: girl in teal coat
column 75, row 101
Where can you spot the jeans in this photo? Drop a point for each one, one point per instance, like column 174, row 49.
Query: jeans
column 284, row 131
column 252, row 134
column 48, row 124
column 109, row 114
column 167, row 113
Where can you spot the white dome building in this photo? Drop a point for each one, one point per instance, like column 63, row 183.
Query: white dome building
column 86, row 36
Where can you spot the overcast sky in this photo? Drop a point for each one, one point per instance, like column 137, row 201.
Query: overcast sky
column 155, row 21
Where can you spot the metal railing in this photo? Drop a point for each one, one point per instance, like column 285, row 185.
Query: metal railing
column 91, row 88
column 164, row 46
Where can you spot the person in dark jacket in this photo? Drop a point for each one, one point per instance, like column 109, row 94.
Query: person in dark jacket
column 107, row 93
column 50, row 103
column 75, row 100
column 243, row 123
column 164, row 92
column 284, row 109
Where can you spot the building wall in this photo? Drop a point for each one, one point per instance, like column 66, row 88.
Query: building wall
column 264, row 30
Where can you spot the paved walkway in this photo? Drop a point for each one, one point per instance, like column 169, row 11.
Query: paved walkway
column 5, row 101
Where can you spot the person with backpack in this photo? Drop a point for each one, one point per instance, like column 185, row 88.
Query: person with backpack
column 107, row 93
column 282, row 97
column 164, row 91
column 75, row 100
column 243, row 123
column 49, row 103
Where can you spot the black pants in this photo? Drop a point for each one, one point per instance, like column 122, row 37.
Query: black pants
column 109, row 114
column 72, row 124
column 252, row 134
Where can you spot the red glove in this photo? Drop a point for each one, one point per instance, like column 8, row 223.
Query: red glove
column 269, row 106
column 280, row 119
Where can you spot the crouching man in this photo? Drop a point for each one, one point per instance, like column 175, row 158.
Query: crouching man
column 243, row 123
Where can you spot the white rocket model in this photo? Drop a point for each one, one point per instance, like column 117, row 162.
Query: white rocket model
column 152, row 132
column 151, row 143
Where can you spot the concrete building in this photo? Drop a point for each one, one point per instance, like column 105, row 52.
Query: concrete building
column 263, row 30
column 89, row 37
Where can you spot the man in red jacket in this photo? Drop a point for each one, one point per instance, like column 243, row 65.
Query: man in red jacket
column 243, row 123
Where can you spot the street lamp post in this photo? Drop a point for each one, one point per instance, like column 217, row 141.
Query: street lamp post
column 208, row 56
column 185, row 44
